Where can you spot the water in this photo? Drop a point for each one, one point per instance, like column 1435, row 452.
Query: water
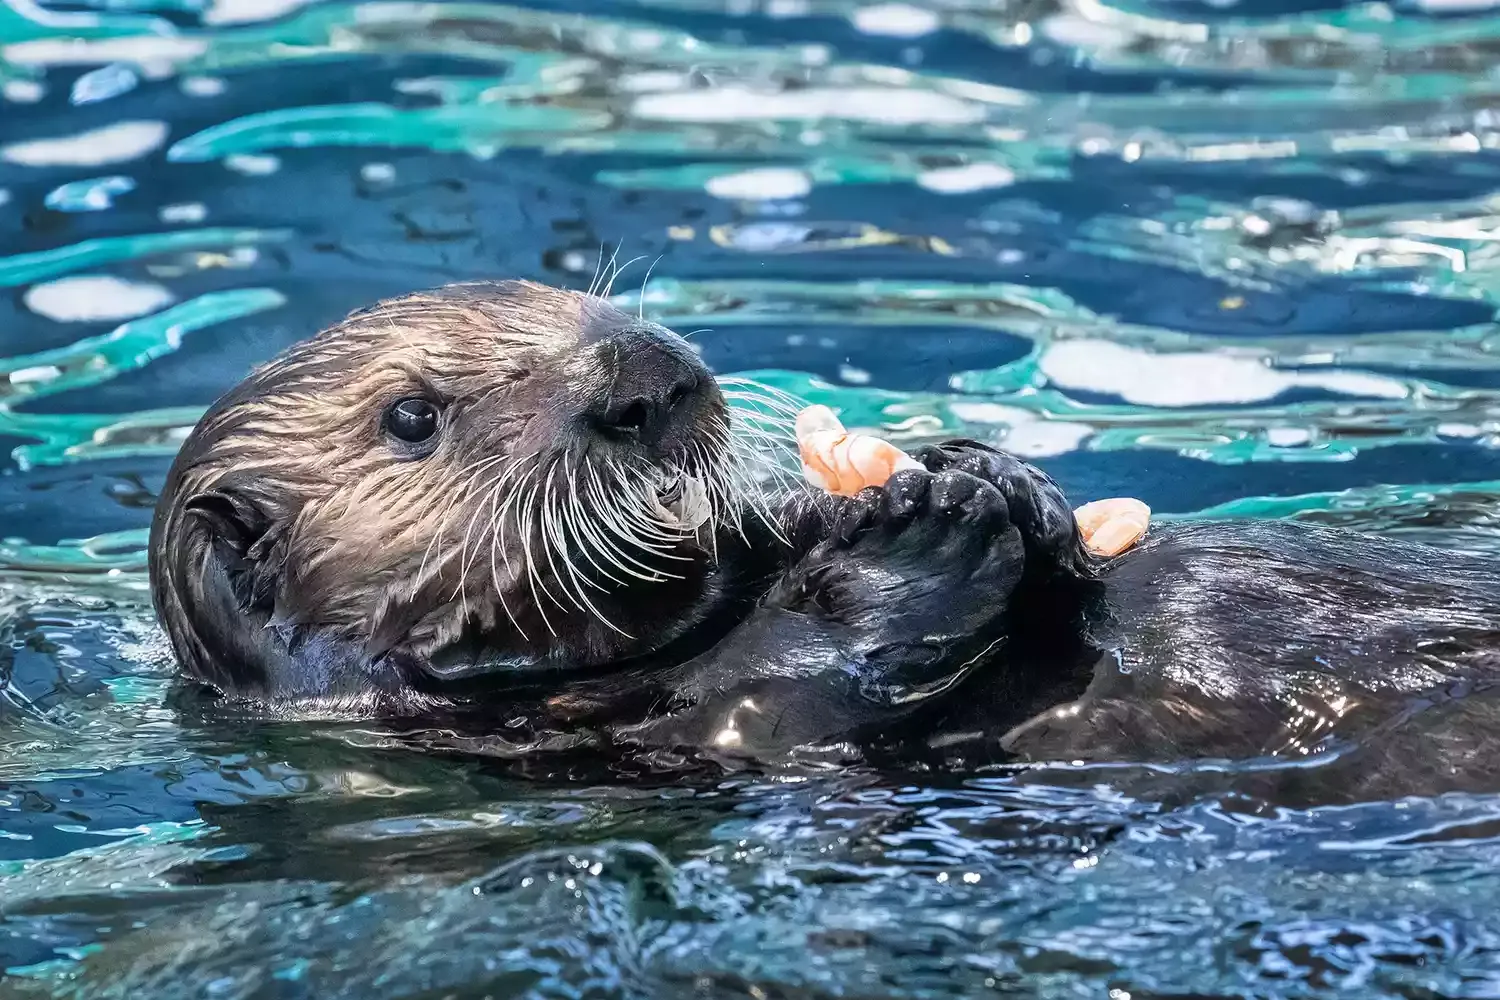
column 1234, row 258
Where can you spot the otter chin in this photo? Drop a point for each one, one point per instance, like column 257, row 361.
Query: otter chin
column 503, row 500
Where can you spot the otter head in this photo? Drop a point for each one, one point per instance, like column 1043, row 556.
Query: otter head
column 481, row 479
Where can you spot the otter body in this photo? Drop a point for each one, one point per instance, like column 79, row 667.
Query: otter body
column 505, row 501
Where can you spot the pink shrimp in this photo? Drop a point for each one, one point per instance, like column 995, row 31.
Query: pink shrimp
column 1111, row 526
column 844, row 463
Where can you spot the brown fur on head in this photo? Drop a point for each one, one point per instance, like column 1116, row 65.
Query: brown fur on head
column 292, row 515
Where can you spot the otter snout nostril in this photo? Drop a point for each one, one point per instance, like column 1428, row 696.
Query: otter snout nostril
column 682, row 389
column 630, row 418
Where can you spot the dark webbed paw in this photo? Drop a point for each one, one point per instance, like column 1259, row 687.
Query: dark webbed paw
column 1036, row 504
column 926, row 554
column 892, row 597
column 888, row 609
column 946, row 510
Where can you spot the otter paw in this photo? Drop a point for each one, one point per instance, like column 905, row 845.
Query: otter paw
column 949, row 509
column 1036, row 505
column 925, row 553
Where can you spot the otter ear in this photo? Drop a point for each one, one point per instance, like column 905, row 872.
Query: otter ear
column 245, row 538
column 230, row 517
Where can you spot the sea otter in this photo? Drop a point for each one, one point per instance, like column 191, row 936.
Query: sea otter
column 505, row 502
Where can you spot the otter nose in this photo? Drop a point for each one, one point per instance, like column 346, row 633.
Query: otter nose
column 639, row 414
column 649, row 385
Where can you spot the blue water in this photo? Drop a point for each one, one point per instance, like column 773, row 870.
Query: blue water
column 1233, row 258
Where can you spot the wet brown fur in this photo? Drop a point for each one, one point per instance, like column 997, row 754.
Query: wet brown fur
column 363, row 547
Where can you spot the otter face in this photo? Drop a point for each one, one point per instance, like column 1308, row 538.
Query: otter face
column 481, row 478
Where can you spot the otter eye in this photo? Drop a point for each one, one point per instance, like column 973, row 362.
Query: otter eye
column 412, row 420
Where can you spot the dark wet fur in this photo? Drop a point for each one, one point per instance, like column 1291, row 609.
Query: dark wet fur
column 951, row 620
column 1313, row 664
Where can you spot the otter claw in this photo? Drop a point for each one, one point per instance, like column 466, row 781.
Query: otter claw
column 843, row 464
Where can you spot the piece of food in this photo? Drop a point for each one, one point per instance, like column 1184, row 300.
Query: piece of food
column 1111, row 526
column 843, row 464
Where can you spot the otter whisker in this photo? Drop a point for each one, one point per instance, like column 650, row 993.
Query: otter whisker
column 538, row 586
column 717, row 502
column 749, row 427
column 558, row 524
column 641, row 297
column 468, row 479
column 598, row 265
column 752, row 408
column 719, row 473
column 755, row 450
column 577, row 521
column 544, row 530
column 498, row 521
column 748, row 409
column 773, row 434
column 459, row 590
column 568, row 511
column 771, row 399
column 751, row 448
column 604, row 509
column 612, row 554
column 609, row 286
column 751, row 471
column 760, row 509
column 602, row 503
column 648, row 524
column 784, row 429
column 554, row 543
column 767, row 445
column 781, row 397
column 497, row 540
column 631, row 525
column 634, row 514
column 603, row 274
column 537, row 531
column 611, row 510
column 492, row 493
column 500, row 594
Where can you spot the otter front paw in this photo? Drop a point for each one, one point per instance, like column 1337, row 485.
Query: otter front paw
column 927, row 554
column 893, row 605
column 1036, row 504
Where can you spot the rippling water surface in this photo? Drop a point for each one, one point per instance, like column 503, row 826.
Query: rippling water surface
column 1237, row 258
